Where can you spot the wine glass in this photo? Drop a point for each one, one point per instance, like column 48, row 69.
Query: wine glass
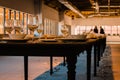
column 18, row 26
column 32, row 28
column 40, row 30
column 65, row 31
column 33, row 25
column 9, row 26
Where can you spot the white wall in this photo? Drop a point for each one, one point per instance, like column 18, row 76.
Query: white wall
column 21, row 5
column 97, row 21
column 67, row 20
column 50, row 13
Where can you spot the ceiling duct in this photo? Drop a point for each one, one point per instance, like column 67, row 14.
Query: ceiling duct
column 107, row 9
column 71, row 7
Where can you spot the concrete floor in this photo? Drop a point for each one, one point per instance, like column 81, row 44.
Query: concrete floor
column 11, row 68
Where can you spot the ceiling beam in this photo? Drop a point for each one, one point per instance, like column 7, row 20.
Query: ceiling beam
column 109, row 6
column 72, row 7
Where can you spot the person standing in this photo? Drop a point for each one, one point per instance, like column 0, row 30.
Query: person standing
column 101, row 30
column 95, row 29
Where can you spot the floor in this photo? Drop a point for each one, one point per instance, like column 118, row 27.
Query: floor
column 116, row 61
column 11, row 68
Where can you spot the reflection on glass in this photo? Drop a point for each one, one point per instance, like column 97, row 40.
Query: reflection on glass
column 8, row 29
column 64, row 31
column 40, row 30
column 9, row 26
column 33, row 24
column 18, row 26
column 32, row 28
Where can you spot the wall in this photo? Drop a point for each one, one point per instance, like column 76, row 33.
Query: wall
column 50, row 13
column 50, row 17
column 21, row 5
column 67, row 20
column 98, row 21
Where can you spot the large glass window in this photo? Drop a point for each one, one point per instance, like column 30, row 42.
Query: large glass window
column 7, row 15
column 109, row 30
column 114, row 30
column 119, row 30
column 1, row 20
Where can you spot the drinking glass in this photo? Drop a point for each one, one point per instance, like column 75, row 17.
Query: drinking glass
column 9, row 26
column 64, row 31
column 40, row 30
column 32, row 28
column 18, row 26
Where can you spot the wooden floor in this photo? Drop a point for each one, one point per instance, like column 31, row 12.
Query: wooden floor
column 115, row 51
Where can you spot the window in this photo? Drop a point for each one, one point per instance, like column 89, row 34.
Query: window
column 1, row 20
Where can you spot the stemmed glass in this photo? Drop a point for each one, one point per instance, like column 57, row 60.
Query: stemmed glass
column 65, row 31
column 9, row 26
column 18, row 26
column 33, row 25
column 40, row 30
column 32, row 28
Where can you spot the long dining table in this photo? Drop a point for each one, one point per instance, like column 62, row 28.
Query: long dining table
column 58, row 49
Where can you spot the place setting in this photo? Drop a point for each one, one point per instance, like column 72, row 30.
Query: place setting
column 13, row 32
column 71, row 38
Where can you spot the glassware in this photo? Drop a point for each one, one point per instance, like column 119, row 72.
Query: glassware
column 65, row 31
column 9, row 26
column 18, row 26
column 33, row 25
column 32, row 28
column 40, row 30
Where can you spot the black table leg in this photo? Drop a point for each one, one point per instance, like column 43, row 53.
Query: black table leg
column 89, row 64
column 64, row 61
column 71, row 65
column 51, row 65
column 98, row 54
column 26, row 67
column 95, row 66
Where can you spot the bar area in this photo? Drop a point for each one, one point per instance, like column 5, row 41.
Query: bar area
column 59, row 40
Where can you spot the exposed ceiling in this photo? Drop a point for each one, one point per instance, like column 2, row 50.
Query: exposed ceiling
column 112, row 2
column 88, row 8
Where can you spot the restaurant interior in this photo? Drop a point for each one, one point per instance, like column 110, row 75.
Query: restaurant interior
column 40, row 22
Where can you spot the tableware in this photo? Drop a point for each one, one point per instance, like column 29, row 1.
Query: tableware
column 71, row 40
column 8, row 29
column 17, row 36
column 32, row 28
column 17, row 30
column 65, row 31
column 39, row 31
column 13, row 40
column 48, row 40
column 1, row 36
column 9, row 26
